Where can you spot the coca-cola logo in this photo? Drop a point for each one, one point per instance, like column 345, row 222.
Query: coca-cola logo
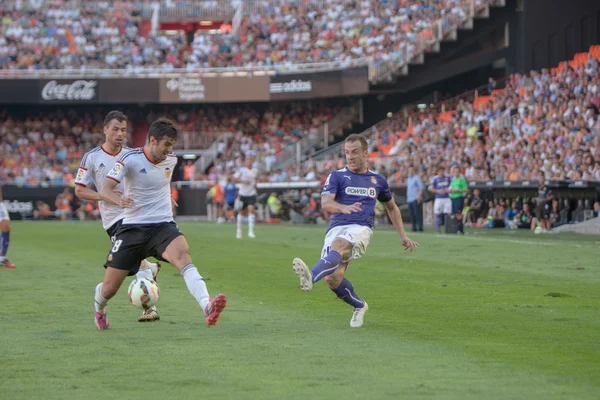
column 77, row 90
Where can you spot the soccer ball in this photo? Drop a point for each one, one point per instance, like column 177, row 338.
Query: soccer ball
column 143, row 293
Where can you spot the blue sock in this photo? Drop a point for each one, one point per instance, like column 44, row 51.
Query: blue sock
column 346, row 292
column 438, row 222
column 5, row 241
column 326, row 265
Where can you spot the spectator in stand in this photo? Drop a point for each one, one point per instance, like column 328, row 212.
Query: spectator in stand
column 42, row 211
column 414, row 196
column 511, row 215
column 554, row 216
column 475, row 208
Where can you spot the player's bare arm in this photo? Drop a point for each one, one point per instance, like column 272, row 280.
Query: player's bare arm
column 329, row 204
column 108, row 194
column 396, row 218
column 85, row 193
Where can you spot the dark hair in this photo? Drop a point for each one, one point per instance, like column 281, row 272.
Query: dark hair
column 114, row 114
column 357, row 138
column 163, row 127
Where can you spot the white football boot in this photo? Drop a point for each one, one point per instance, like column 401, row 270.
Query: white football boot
column 304, row 273
column 358, row 316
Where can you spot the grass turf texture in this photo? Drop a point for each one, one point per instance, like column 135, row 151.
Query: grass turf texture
column 489, row 315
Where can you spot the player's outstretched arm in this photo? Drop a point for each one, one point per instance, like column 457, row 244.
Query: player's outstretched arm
column 394, row 213
column 329, row 204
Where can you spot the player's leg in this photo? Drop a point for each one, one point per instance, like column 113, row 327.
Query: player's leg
column 149, row 270
column 437, row 210
column 177, row 252
column 334, row 249
column 344, row 290
column 240, row 217
column 123, row 260
column 113, row 279
column 412, row 207
column 251, row 217
column 4, row 236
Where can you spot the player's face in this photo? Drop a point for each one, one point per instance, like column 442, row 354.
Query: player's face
column 248, row 162
column 115, row 132
column 356, row 157
column 161, row 148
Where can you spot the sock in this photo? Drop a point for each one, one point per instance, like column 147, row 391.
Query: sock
column 438, row 222
column 196, row 285
column 346, row 292
column 145, row 272
column 101, row 302
column 240, row 219
column 5, row 240
column 460, row 225
column 326, row 265
column 251, row 223
column 153, row 267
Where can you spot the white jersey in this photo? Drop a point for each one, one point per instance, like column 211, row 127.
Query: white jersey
column 149, row 185
column 93, row 169
column 250, row 175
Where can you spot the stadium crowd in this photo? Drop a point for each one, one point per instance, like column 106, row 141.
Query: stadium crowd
column 71, row 38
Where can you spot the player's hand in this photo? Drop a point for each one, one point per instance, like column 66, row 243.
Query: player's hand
column 352, row 208
column 174, row 203
column 409, row 244
column 118, row 192
column 126, row 202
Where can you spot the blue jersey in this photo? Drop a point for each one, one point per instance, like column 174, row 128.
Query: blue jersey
column 440, row 184
column 230, row 193
column 350, row 188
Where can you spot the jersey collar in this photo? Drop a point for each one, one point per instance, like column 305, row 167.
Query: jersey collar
column 148, row 158
column 111, row 154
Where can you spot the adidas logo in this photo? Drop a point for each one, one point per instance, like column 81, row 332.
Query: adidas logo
column 143, row 171
column 102, row 165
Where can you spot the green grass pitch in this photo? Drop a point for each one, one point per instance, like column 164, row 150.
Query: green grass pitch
column 492, row 315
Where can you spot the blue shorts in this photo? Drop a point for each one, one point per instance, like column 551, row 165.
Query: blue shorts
column 457, row 205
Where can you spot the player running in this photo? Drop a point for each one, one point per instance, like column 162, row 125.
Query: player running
column 350, row 195
column 93, row 169
column 147, row 227
column 4, row 233
column 246, row 176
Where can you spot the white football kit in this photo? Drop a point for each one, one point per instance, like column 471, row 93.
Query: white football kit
column 95, row 164
column 148, row 183
column 250, row 175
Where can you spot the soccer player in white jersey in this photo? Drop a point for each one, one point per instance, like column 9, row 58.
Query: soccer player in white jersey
column 148, row 228
column 4, row 234
column 93, row 169
column 246, row 177
column 350, row 195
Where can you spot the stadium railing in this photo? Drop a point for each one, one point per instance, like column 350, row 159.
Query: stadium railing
column 169, row 10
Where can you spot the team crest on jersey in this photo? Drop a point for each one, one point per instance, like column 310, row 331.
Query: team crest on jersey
column 374, row 180
column 168, row 172
column 110, row 257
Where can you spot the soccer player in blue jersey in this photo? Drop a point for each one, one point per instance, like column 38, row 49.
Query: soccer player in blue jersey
column 350, row 195
column 442, row 204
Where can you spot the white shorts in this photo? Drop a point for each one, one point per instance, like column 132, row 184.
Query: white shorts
column 442, row 206
column 360, row 237
column 4, row 213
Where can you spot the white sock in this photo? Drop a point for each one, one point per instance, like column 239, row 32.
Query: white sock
column 145, row 272
column 251, row 223
column 196, row 285
column 100, row 302
column 240, row 219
